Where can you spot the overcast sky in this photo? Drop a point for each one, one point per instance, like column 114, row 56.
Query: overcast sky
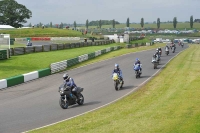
column 68, row 11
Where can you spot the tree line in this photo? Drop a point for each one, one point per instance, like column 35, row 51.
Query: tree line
column 14, row 14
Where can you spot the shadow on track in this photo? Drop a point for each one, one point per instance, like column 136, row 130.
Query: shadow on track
column 86, row 104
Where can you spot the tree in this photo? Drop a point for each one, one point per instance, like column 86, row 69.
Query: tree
column 61, row 25
column 51, row 24
column 175, row 22
column 30, row 25
column 103, row 22
column 14, row 14
column 191, row 21
column 142, row 22
column 113, row 23
column 40, row 24
column 100, row 24
column 127, row 22
column 87, row 24
column 158, row 23
column 75, row 25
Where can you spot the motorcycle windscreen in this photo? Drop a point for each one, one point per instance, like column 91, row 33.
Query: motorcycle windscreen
column 115, row 76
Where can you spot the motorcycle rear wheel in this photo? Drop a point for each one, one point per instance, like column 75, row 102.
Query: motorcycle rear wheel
column 63, row 104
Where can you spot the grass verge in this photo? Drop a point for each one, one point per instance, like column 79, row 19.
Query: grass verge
column 47, row 32
column 168, row 103
column 140, row 41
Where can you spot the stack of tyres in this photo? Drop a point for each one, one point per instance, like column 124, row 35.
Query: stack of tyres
column 3, row 54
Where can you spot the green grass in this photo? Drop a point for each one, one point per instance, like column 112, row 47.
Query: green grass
column 168, row 103
column 162, row 26
column 30, row 62
column 140, row 41
column 47, row 32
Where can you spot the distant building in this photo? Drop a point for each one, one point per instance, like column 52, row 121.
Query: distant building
column 197, row 20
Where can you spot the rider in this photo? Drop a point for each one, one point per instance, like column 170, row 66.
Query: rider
column 70, row 82
column 160, row 50
column 138, row 62
column 154, row 58
column 157, row 53
column 119, row 72
column 29, row 43
column 166, row 48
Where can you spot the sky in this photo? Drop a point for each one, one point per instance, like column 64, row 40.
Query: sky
column 68, row 11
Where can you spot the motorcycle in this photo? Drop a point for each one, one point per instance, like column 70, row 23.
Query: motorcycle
column 167, row 52
column 160, row 52
column 155, row 63
column 173, row 49
column 182, row 45
column 118, row 83
column 137, row 70
column 67, row 98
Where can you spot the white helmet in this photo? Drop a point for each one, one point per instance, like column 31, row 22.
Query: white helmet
column 116, row 66
column 66, row 76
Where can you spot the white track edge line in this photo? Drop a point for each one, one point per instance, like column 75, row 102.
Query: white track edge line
column 134, row 89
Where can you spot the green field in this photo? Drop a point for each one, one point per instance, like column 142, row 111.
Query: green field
column 140, row 41
column 168, row 103
column 38, row 32
column 162, row 26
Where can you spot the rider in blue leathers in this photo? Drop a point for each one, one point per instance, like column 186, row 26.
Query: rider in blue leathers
column 70, row 82
column 138, row 62
column 119, row 72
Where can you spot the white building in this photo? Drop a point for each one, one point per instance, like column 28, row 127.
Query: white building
column 3, row 27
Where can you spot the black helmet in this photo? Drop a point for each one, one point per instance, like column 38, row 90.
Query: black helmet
column 66, row 76
column 154, row 55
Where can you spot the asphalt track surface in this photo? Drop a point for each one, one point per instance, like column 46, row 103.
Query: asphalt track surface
column 36, row 43
column 36, row 103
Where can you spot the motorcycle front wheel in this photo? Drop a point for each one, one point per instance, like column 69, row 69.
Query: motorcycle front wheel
column 116, row 85
column 80, row 99
column 63, row 104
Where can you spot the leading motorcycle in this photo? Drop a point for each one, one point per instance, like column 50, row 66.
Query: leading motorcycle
column 118, row 83
column 67, row 98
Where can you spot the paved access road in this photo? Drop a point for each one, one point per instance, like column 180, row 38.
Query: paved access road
column 36, row 103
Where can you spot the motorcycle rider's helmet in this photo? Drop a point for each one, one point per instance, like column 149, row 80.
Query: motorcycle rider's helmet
column 137, row 59
column 66, row 76
column 116, row 66
column 154, row 55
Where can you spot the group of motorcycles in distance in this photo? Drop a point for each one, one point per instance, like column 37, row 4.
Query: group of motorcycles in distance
column 67, row 98
column 156, row 59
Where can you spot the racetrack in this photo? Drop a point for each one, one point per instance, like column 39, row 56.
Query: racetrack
column 35, row 104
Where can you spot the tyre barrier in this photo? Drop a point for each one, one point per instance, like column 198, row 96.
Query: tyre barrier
column 137, row 45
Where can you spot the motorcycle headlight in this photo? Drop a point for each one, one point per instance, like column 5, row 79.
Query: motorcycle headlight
column 61, row 90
